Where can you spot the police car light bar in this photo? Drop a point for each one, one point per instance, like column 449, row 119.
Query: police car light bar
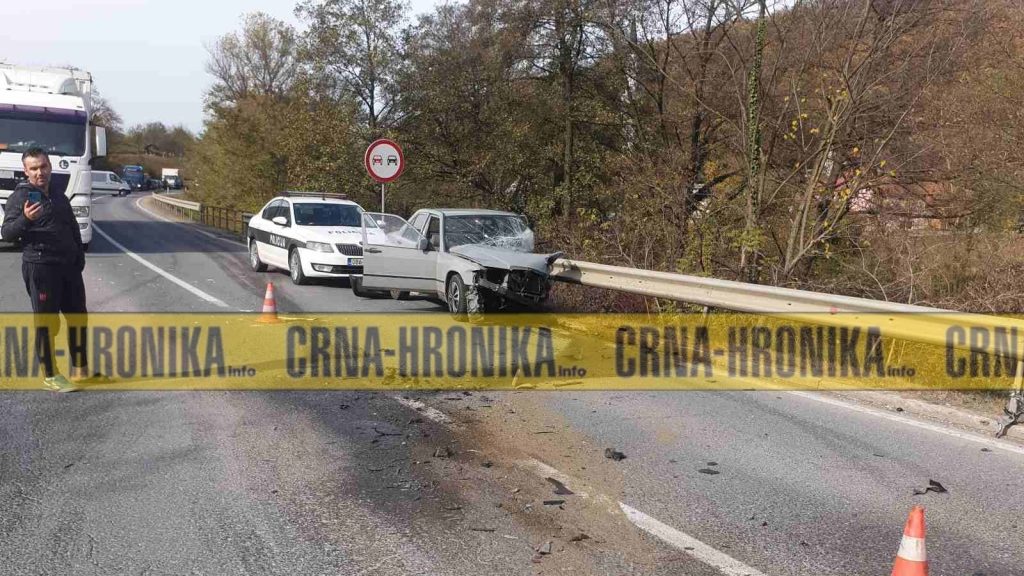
column 321, row 195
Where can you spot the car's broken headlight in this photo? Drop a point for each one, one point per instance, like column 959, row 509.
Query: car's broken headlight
column 319, row 247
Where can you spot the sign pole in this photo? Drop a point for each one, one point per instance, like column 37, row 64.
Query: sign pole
column 384, row 162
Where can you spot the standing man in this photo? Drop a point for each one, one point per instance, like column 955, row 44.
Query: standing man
column 51, row 264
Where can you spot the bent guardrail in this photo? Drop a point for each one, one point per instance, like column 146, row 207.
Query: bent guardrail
column 903, row 321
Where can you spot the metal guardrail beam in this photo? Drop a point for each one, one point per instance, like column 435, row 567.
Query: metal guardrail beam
column 914, row 323
column 177, row 203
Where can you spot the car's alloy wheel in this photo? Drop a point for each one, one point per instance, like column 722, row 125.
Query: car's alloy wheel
column 455, row 295
column 254, row 257
column 295, row 267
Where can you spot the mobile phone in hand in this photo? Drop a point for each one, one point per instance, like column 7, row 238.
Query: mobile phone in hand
column 35, row 197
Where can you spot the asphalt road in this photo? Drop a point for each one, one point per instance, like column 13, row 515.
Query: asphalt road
column 346, row 483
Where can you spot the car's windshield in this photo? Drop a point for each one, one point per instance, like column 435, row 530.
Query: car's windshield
column 59, row 132
column 501, row 230
column 316, row 214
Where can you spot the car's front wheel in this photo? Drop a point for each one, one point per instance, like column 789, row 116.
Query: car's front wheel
column 255, row 263
column 455, row 295
column 295, row 268
column 356, row 282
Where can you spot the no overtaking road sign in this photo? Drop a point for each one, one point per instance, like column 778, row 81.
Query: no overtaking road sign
column 384, row 160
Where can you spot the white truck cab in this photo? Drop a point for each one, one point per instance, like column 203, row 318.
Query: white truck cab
column 50, row 108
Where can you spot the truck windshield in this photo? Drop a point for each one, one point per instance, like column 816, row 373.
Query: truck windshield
column 310, row 214
column 59, row 132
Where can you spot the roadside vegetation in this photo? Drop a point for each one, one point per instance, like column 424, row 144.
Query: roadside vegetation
column 862, row 147
column 154, row 145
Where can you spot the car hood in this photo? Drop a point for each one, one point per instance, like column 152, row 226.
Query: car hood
column 336, row 235
column 493, row 257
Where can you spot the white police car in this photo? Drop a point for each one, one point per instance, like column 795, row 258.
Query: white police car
column 312, row 235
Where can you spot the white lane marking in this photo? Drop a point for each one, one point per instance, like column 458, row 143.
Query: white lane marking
column 544, row 471
column 726, row 564
column 722, row 562
column 138, row 204
column 431, row 413
column 989, row 442
column 160, row 271
column 688, row 544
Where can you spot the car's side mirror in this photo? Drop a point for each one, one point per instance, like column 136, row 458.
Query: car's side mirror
column 280, row 220
column 424, row 244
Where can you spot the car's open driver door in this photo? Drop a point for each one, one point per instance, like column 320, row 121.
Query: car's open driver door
column 396, row 255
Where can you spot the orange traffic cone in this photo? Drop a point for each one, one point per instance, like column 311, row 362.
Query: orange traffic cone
column 912, row 560
column 269, row 315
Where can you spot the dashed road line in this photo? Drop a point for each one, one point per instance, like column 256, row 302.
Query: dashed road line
column 683, row 542
column 192, row 289
column 721, row 561
column 431, row 413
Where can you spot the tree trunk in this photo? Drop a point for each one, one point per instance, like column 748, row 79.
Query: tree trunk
column 751, row 249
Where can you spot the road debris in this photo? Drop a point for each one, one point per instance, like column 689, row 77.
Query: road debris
column 613, row 454
column 579, row 537
column 933, row 486
column 480, row 529
column 560, row 489
column 487, row 464
column 709, row 471
column 544, row 548
column 554, row 502
column 343, row 406
column 387, row 432
column 443, row 452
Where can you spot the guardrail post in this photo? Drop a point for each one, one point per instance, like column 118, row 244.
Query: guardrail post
column 1014, row 408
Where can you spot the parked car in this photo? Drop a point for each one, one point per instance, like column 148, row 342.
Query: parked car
column 310, row 234
column 108, row 183
column 476, row 261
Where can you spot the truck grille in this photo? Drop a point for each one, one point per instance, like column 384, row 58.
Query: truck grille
column 58, row 182
column 350, row 249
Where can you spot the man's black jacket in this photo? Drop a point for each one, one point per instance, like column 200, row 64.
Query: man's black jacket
column 53, row 238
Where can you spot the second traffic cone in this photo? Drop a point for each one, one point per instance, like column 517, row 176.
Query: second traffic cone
column 912, row 559
column 269, row 315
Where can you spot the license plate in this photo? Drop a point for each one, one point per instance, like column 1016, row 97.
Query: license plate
column 7, row 174
column 355, row 261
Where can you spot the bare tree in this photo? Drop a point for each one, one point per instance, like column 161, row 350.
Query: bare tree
column 354, row 46
column 258, row 61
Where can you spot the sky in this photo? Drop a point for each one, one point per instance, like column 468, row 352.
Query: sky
column 147, row 57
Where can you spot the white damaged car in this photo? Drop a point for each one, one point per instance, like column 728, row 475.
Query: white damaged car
column 311, row 235
column 475, row 261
